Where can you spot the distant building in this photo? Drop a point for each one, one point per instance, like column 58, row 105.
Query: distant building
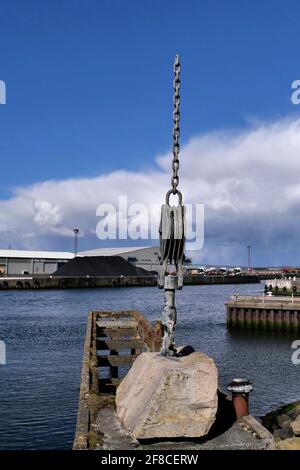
column 143, row 257
column 17, row 262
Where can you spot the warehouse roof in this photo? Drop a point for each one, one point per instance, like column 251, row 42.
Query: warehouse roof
column 36, row 254
column 113, row 251
column 67, row 255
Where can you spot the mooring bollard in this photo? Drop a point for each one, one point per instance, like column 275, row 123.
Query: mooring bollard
column 240, row 389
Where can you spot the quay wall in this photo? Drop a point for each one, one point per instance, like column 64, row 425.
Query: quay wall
column 258, row 315
column 49, row 282
column 217, row 279
column 69, row 282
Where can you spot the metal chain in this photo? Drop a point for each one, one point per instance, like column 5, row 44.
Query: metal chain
column 176, row 129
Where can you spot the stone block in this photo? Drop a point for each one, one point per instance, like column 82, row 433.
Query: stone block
column 163, row 397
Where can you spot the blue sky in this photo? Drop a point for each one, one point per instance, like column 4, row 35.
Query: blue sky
column 89, row 83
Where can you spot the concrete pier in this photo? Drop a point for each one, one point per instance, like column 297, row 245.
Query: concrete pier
column 264, row 313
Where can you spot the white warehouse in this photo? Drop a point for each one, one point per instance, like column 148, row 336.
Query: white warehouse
column 16, row 262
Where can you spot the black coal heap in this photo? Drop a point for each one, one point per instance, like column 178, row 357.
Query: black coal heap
column 100, row 266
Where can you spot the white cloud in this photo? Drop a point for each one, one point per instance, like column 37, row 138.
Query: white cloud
column 47, row 214
column 248, row 181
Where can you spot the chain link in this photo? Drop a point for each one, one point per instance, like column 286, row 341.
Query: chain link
column 176, row 128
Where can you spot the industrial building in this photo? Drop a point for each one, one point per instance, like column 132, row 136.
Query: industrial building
column 23, row 262
column 146, row 257
column 142, row 257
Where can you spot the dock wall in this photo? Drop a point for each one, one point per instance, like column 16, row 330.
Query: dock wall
column 51, row 282
column 217, row 279
column 259, row 315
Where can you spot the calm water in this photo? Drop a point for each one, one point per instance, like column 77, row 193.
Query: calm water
column 44, row 333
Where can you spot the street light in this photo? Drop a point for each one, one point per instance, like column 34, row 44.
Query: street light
column 76, row 231
column 249, row 257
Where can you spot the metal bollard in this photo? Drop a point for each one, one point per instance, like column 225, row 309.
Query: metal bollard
column 240, row 389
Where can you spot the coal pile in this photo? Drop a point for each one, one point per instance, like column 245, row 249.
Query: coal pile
column 100, row 266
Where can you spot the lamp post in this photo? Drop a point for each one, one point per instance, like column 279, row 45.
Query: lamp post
column 249, row 257
column 76, row 231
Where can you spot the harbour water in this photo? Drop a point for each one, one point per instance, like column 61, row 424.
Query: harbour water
column 44, row 333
